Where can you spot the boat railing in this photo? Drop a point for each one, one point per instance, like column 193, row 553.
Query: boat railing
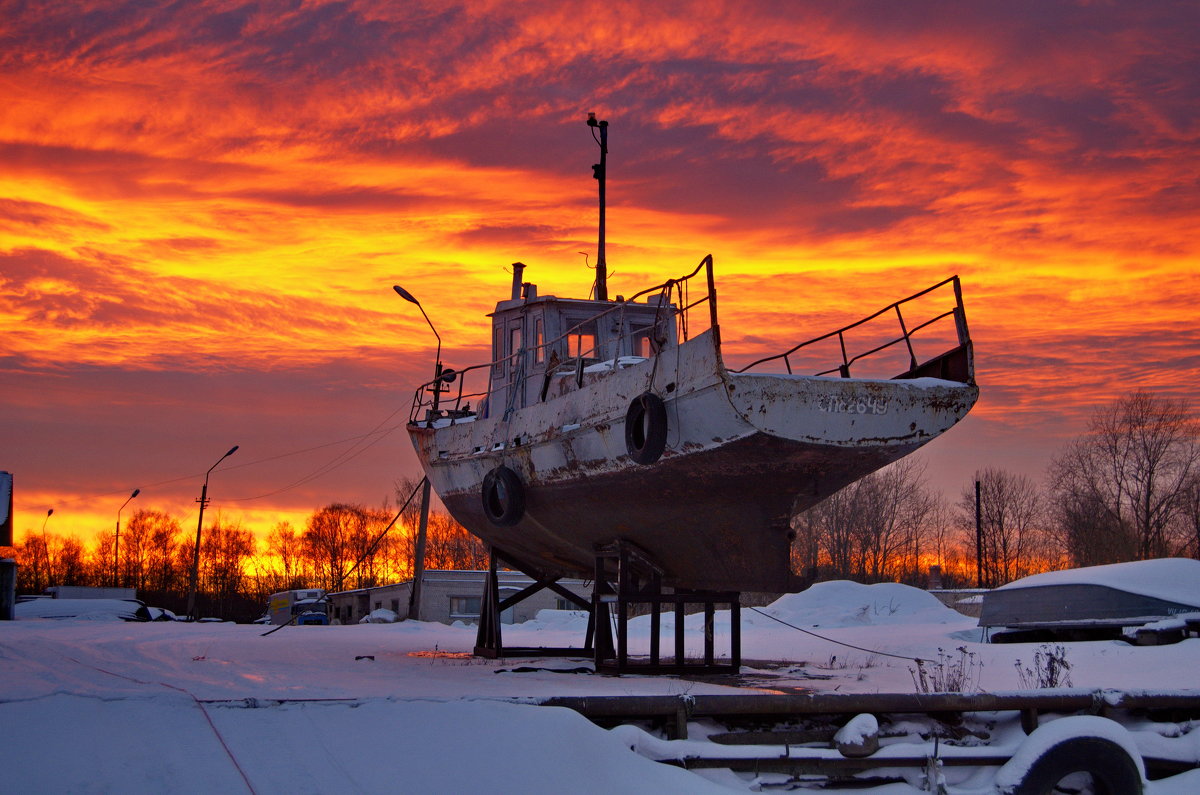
column 440, row 399
column 905, row 337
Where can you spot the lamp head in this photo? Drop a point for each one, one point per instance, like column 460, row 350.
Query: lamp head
column 232, row 450
column 135, row 493
column 405, row 294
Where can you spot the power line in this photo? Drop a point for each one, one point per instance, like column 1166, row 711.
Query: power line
column 379, row 432
column 917, row 660
column 345, row 458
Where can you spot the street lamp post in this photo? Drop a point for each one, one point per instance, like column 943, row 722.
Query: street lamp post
column 46, row 547
column 191, row 604
column 117, row 541
column 437, row 359
column 414, row 596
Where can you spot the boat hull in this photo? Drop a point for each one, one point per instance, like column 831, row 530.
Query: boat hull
column 744, row 453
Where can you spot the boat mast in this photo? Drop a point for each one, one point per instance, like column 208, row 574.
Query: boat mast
column 598, row 172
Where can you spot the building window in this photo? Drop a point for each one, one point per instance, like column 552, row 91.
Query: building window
column 396, row 606
column 464, row 608
column 539, row 334
column 378, row 605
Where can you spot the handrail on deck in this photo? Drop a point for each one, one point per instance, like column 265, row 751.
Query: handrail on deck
column 906, row 334
column 667, row 312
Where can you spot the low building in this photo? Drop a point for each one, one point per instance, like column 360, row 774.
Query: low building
column 453, row 595
column 89, row 592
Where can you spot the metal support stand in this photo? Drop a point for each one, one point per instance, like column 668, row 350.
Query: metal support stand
column 489, row 641
column 625, row 577
column 8, row 589
column 639, row 582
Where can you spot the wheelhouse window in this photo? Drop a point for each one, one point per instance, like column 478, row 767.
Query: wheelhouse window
column 642, row 342
column 498, row 351
column 514, row 344
column 581, row 340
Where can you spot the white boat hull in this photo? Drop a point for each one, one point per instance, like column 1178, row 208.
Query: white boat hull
column 744, row 453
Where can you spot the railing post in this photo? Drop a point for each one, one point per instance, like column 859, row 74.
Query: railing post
column 960, row 317
column 712, row 298
column 912, row 357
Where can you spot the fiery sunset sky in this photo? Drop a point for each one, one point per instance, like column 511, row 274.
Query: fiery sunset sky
column 204, row 205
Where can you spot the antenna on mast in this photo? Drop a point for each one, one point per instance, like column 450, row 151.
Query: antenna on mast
column 598, row 172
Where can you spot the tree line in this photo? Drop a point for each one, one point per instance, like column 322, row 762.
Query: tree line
column 1126, row 489
column 340, row 547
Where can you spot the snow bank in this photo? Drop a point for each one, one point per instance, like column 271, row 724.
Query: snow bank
column 1169, row 579
column 163, row 743
column 842, row 603
column 558, row 619
column 380, row 616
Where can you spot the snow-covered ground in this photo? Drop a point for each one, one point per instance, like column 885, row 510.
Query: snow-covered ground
column 109, row 706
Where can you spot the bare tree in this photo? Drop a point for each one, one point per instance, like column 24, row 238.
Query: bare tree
column 72, row 568
column 337, row 537
column 1121, row 488
column 224, row 552
column 825, row 535
column 872, row 529
column 1188, row 517
column 1012, row 535
column 945, row 547
column 452, row 546
column 162, row 575
column 33, row 564
column 284, row 545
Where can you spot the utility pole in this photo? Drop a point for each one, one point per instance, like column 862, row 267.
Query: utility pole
column 194, row 576
column 978, row 538
column 46, row 548
column 414, row 596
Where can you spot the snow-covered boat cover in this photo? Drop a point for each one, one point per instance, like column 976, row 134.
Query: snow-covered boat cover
column 1169, row 579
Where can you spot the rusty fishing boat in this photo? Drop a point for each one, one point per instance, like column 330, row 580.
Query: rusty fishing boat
column 601, row 420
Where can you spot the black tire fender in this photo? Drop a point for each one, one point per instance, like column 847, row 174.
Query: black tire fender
column 1113, row 770
column 503, row 497
column 646, row 428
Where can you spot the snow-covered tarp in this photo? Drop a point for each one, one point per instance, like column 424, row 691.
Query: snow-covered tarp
column 1169, row 579
column 90, row 609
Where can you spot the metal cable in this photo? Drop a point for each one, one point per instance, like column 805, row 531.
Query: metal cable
column 917, row 660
